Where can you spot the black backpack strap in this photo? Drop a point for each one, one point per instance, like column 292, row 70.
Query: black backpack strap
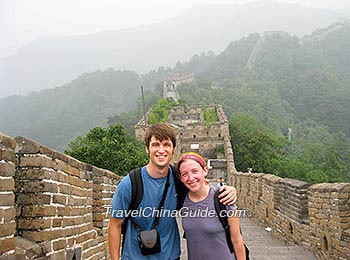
column 136, row 188
column 136, row 196
column 221, row 212
column 180, row 188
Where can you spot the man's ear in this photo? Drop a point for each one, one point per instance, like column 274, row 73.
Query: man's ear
column 206, row 170
column 147, row 151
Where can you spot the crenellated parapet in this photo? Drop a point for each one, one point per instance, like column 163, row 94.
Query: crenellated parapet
column 315, row 216
column 61, row 203
column 7, row 197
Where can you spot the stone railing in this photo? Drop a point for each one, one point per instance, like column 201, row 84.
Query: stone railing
column 61, row 203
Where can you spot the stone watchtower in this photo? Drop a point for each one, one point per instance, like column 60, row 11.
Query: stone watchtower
column 171, row 83
column 194, row 132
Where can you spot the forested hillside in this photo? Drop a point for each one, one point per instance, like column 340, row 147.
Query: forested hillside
column 299, row 85
column 56, row 116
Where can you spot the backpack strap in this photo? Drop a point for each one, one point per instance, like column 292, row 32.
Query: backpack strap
column 221, row 212
column 136, row 188
column 180, row 188
column 136, row 196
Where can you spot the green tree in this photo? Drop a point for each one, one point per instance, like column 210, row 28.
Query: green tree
column 255, row 146
column 110, row 148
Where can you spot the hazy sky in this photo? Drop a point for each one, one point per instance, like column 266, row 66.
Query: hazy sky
column 22, row 21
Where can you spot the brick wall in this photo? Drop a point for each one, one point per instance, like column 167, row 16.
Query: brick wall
column 315, row 216
column 7, row 197
column 61, row 203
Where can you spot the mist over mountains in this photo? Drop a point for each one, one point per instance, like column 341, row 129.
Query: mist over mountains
column 52, row 62
column 301, row 83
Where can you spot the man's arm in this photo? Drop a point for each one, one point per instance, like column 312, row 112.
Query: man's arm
column 228, row 195
column 114, row 237
column 236, row 237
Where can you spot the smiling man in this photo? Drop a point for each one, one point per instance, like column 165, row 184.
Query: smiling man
column 160, row 142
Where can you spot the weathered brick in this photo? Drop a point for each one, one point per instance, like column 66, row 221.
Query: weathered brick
column 25, row 145
column 33, row 174
column 38, row 211
column 33, row 223
column 57, row 222
column 60, row 244
column 59, row 199
column 62, row 166
column 40, row 187
column 7, row 199
column 8, row 229
column 64, row 211
column 42, row 235
column 7, row 155
column 37, row 161
column 7, row 245
column 7, row 184
column 7, row 169
column 7, row 141
column 9, row 214
column 58, row 255
column 36, row 199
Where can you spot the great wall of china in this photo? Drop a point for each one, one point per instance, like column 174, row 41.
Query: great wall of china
column 53, row 206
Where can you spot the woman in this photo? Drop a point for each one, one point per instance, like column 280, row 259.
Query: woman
column 205, row 235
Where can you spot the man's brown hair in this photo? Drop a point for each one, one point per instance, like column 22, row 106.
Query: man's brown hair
column 161, row 132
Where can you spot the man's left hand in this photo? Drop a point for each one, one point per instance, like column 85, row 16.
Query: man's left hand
column 228, row 195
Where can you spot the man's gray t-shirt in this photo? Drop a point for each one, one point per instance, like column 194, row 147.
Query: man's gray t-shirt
column 205, row 235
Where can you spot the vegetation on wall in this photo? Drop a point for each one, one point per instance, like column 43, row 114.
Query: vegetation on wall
column 209, row 115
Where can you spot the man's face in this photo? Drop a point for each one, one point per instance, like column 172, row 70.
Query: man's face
column 160, row 152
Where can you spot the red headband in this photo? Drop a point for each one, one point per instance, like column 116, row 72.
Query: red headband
column 193, row 156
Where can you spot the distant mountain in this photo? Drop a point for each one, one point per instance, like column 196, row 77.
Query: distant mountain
column 56, row 116
column 285, row 81
column 51, row 62
column 290, row 82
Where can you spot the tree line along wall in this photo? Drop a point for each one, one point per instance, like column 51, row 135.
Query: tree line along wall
column 52, row 206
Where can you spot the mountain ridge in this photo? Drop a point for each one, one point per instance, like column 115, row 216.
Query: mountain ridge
column 52, row 61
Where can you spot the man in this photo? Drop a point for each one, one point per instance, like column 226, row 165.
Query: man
column 160, row 142
column 220, row 182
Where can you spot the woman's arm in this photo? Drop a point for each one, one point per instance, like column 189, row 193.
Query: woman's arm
column 236, row 237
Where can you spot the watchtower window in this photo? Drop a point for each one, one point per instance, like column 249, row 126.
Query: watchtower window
column 194, row 136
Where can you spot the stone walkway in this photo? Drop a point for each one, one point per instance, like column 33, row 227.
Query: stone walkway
column 262, row 245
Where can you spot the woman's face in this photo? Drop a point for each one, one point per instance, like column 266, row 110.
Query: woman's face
column 192, row 174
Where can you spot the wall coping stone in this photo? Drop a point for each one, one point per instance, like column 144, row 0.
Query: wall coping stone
column 7, row 141
column 340, row 187
column 295, row 183
column 272, row 178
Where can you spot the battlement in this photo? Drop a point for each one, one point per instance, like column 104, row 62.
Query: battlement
column 192, row 132
column 52, row 205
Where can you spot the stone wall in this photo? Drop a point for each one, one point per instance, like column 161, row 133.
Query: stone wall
column 315, row 216
column 7, row 197
column 61, row 204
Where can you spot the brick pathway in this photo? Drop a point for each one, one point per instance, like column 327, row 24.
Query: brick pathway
column 262, row 245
